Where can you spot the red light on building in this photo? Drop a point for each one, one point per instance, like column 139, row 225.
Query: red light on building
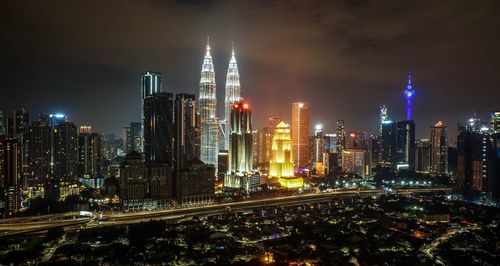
column 245, row 106
column 236, row 106
column 353, row 135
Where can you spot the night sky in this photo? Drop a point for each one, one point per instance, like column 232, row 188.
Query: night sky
column 85, row 58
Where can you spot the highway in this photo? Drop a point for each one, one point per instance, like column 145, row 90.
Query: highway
column 17, row 226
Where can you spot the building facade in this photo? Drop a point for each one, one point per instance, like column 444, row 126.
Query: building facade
column 281, row 165
column 439, row 149
column 405, row 145
column 300, row 135
column 185, row 129
column 209, row 122
column 232, row 96
column 66, row 152
column 240, row 150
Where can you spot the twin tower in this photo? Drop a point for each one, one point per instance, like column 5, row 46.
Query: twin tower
column 211, row 126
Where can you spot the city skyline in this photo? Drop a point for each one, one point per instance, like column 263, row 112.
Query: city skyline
column 250, row 132
column 66, row 77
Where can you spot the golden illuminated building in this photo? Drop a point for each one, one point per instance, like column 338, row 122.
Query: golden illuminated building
column 281, row 164
column 300, row 134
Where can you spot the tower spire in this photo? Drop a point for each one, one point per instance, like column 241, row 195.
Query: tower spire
column 232, row 93
column 409, row 94
column 208, row 44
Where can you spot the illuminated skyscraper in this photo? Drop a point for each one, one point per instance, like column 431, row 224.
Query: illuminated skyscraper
column 405, row 147
column 232, row 95
column 10, row 172
column 208, row 111
column 240, row 149
column 89, row 155
column 39, row 158
column 340, row 140
column 383, row 115
column 240, row 154
column 281, row 164
column 66, row 151
column 409, row 94
column 388, row 143
column 478, row 163
column 300, row 134
column 423, row 154
column 318, row 150
column 439, row 149
column 150, row 84
column 356, row 162
column 318, row 144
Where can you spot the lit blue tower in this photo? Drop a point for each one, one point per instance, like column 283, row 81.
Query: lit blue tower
column 409, row 94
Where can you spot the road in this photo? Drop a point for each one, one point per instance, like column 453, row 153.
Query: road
column 428, row 250
column 11, row 227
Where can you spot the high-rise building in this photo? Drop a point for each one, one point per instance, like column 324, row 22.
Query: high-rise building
column 266, row 141
column 57, row 118
column 423, row 156
column 281, row 164
column 240, row 149
column 255, row 149
column 150, row 84
column 232, row 95
column 159, row 129
column 357, row 140
column 405, row 145
column 331, row 142
column 197, row 134
column 475, row 161
column 300, row 134
column 495, row 121
column 159, row 145
column 208, row 111
column 409, row 94
column 356, row 162
column 21, row 127
column 388, row 143
column 439, row 149
column 318, row 144
column 185, row 129
column 89, row 154
column 66, row 152
column 127, row 140
column 10, row 172
column 383, row 115
column 135, row 137
column 340, row 140
column 39, row 153
column 21, row 121
column 133, row 181
column 494, row 181
column 375, row 149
